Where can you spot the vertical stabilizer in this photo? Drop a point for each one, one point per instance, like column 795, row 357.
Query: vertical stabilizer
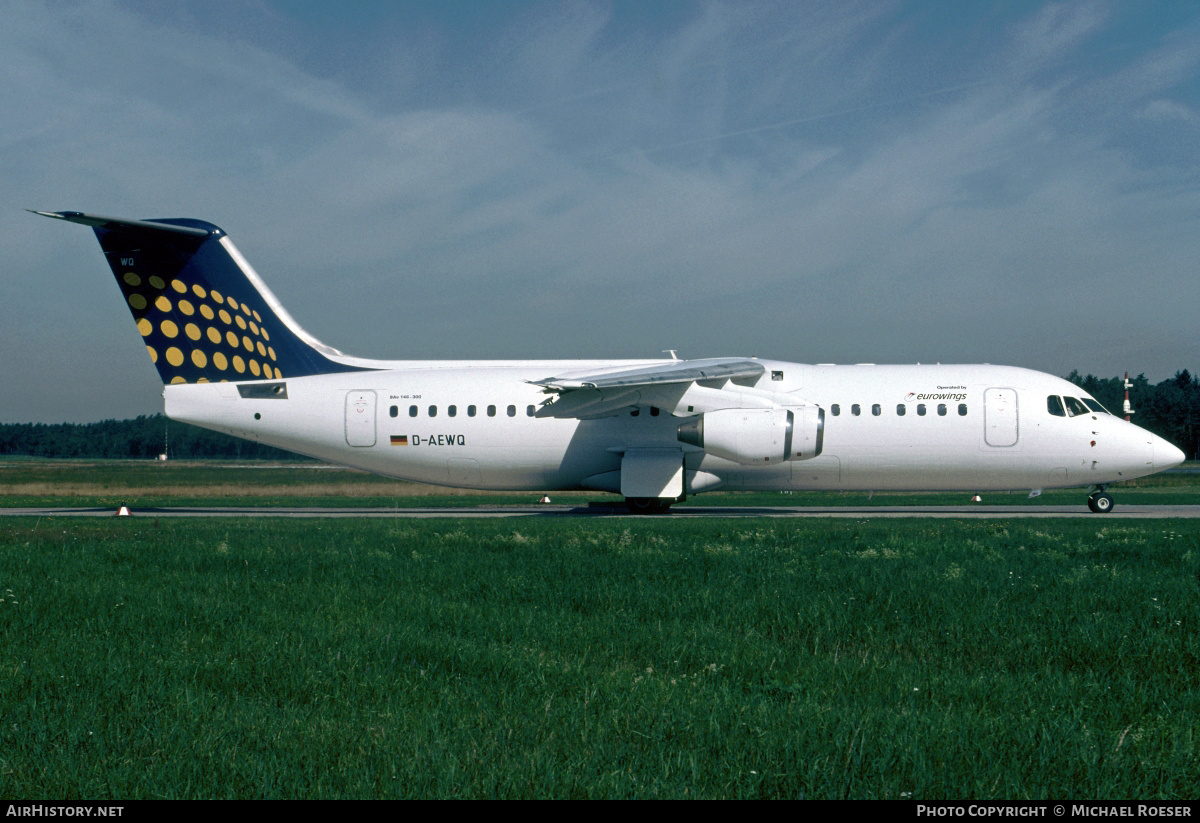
column 203, row 312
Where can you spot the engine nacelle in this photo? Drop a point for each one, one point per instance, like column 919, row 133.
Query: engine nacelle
column 758, row 436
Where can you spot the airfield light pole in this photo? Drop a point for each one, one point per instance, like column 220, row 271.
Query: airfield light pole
column 1128, row 409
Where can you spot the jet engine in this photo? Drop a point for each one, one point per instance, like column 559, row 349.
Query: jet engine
column 758, row 436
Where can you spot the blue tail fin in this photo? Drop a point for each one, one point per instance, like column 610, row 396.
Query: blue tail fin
column 203, row 312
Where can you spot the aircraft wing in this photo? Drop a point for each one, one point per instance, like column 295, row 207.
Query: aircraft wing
column 589, row 395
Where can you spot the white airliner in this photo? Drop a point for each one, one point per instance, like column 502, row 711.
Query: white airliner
column 655, row 431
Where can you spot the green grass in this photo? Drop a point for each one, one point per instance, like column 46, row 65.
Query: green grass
column 656, row 658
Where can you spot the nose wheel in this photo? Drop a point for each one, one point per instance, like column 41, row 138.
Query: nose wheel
column 1100, row 501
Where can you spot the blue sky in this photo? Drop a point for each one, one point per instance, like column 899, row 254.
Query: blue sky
column 886, row 182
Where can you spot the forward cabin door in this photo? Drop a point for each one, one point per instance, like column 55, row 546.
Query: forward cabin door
column 360, row 418
column 1000, row 417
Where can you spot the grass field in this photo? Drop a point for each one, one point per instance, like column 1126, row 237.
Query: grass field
column 601, row 658
column 144, row 483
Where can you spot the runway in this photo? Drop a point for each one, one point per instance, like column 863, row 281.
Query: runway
column 608, row 511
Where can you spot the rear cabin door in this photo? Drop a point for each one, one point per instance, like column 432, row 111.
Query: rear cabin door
column 1000, row 417
column 360, row 418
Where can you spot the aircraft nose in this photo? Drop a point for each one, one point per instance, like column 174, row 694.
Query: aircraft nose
column 1166, row 456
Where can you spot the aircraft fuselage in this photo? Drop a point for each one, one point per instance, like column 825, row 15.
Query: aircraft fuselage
column 473, row 425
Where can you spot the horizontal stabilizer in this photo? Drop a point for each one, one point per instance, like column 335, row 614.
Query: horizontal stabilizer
column 194, row 228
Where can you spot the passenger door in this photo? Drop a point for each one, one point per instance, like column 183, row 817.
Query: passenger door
column 1000, row 417
column 360, row 418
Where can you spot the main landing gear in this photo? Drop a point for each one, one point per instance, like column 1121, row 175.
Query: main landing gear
column 649, row 505
column 1100, row 501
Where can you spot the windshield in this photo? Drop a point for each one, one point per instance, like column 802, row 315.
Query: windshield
column 1074, row 407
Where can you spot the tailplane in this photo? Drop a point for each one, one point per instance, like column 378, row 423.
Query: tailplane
column 203, row 312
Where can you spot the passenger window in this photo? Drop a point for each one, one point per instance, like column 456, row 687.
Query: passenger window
column 433, row 411
column 920, row 410
column 653, row 411
column 900, row 409
column 470, row 411
column 491, row 411
column 452, row 411
column 856, row 410
column 836, row 409
column 941, row 409
column 512, row 411
column 394, row 411
column 529, row 410
column 412, row 411
column 635, row 412
column 1074, row 407
column 1054, row 406
column 962, row 409
column 876, row 409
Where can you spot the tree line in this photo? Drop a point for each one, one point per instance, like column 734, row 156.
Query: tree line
column 146, row 436
column 1170, row 409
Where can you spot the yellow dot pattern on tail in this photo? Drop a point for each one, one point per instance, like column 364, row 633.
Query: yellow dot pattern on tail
column 165, row 325
column 201, row 311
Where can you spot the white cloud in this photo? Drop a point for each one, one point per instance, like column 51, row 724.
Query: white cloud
column 1056, row 31
column 1170, row 110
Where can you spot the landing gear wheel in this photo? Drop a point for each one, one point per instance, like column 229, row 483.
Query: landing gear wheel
column 648, row 505
column 1100, row 502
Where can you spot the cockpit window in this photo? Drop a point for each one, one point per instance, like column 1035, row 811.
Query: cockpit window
column 1074, row 407
column 1094, row 406
column 1054, row 406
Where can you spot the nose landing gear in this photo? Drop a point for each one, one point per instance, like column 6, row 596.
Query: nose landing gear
column 1100, row 501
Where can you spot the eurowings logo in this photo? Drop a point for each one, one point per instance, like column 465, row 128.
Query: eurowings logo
column 911, row 396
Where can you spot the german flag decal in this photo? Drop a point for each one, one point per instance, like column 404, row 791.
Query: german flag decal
column 399, row 439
